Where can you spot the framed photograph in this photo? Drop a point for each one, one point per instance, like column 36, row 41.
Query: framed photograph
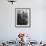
column 22, row 17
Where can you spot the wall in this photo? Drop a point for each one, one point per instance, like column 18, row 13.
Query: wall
column 8, row 31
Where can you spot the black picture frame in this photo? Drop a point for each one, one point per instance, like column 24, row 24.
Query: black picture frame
column 23, row 17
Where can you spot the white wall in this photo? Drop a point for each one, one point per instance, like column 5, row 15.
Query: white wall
column 8, row 31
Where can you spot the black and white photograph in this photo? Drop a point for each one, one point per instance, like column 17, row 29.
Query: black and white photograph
column 22, row 17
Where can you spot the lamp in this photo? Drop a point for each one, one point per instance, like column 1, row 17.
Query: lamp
column 12, row 1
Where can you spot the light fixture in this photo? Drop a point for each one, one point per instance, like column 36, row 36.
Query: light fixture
column 12, row 1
